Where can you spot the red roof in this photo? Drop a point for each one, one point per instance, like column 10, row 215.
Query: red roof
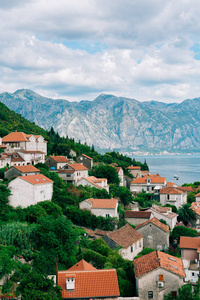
column 60, row 159
column 36, row 179
column 171, row 191
column 15, row 157
column 125, row 236
column 77, row 167
column 103, row 203
column 154, row 178
column 26, row 169
column 157, row 259
column 134, row 168
column 89, row 282
column 18, row 137
column 196, row 207
column 86, row 156
column 189, row 242
column 156, row 222
column 137, row 214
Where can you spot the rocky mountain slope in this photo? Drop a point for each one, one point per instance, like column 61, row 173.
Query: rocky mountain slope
column 110, row 122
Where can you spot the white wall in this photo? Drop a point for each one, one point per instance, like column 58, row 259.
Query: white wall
column 126, row 253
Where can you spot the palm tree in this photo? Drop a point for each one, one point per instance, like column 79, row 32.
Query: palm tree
column 187, row 214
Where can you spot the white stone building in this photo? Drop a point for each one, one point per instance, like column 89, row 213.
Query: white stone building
column 130, row 241
column 164, row 213
column 72, row 173
column 101, row 207
column 99, row 183
column 29, row 190
column 148, row 183
column 173, row 196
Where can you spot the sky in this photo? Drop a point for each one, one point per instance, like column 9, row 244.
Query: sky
column 76, row 50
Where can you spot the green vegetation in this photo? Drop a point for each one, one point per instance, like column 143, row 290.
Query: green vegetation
column 181, row 231
column 145, row 251
column 186, row 214
column 186, row 292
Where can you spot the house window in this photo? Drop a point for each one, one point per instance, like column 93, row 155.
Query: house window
column 107, row 215
column 193, row 274
column 147, row 189
column 150, row 295
column 174, row 293
column 131, row 248
column 167, row 197
column 160, row 277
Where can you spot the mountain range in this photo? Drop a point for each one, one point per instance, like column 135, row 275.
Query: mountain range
column 119, row 123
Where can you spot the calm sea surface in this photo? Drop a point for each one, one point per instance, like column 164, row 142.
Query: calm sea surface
column 187, row 167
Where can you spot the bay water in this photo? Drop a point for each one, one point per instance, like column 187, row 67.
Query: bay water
column 186, row 167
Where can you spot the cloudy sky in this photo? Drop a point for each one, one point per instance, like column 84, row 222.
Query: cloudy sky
column 78, row 49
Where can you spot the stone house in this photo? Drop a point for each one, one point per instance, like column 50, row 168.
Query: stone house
column 83, row 281
column 56, row 162
column 101, row 207
column 16, row 141
column 164, row 213
column 16, row 159
column 135, row 171
column 99, row 183
column 197, row 197
column 5, row 160
column 190, row 254
column 149, row 183
column 196, row 207
column 32, row 156
column 72, row 153
column 137, row 217
column 29, row 190
column 120, row 173
column 86, row 161
column 173, row 196
column 130, row 241
column 156, row 234
column 72, row 173
column 16, row 171
column 158, row 274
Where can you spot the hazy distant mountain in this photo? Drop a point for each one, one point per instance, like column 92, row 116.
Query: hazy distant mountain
column 110, row 122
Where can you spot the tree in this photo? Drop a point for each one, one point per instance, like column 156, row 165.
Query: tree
column 108, row 172
column 181, row 231
column 123, row 193
column 34, row 286
column 186, row 292
column 57, row 236
column 187, row 214
column 7, row 263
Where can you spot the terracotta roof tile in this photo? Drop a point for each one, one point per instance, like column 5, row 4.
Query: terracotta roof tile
column 185, row 188
column 103, row 203
column 165, row 211
column 77, row 167
column 134, row 168
column 31, row 151
column 197, row 195
column 89, row 283
column 60, row 159
column 26, row 169
column 155, row 179
column 156, row 259
column 82, row 265
column 101, row 232
column 15, row 157
column 189, row 242
column 36, row 179
column 125, row 236
column 171, row 191
column 196, row 207
column 137, row 214
column 15, row 137
column 156, row 222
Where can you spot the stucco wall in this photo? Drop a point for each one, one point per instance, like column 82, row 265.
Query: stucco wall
column 154, row 237
column 170, row 222
column 148, row 282
column 136, row 221
column 190, row 254
column 88, row 163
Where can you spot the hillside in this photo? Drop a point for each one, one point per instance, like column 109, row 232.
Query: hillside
column 118, row 123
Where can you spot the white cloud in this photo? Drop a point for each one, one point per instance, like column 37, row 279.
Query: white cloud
column 144, row 48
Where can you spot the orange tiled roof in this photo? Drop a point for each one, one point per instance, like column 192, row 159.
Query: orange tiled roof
column 103, row 203
column 189, row 242
column 59, row 159
column 82, row 265
column 26, row 169
column 157, row 259
column 171, row 191
column 163, row 210
column 36, row 179
column 31, row 151
column 196, row 207
column 125, row 236
column 156, row 222
column 91, row 180
column 18, row 137
column 15, row 157
column 89, row 283
column 137, row 214
column 134, row 168
column 185, row 188
column 155, row 179
column 77, row 167
column 197, row 195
